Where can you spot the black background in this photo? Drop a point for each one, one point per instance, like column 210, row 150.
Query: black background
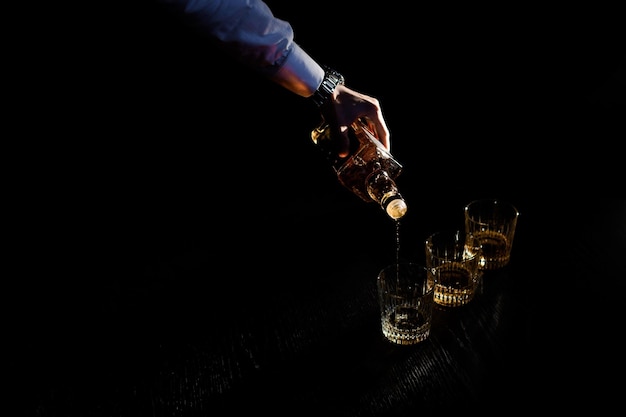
column 159, row 136
column 165, row 179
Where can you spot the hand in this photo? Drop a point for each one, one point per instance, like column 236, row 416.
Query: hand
column 346, row 107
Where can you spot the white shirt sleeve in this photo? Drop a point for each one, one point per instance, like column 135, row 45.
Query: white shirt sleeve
column 248, row 30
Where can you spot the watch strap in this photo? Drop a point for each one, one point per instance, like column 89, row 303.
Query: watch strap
column 325, row 91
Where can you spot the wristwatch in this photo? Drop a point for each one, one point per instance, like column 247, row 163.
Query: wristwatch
column 325, row 91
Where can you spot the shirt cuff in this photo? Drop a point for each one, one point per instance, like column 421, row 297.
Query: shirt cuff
column 299, row 73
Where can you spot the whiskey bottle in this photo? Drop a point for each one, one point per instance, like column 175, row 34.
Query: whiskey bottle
column 369, row 170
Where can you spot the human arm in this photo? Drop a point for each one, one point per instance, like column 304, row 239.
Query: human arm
column 248, row 31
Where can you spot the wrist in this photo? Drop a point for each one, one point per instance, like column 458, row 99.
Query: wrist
column 325, row 91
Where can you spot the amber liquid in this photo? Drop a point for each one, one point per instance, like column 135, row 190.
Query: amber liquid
column 366, row 155
column 456, row 285
column 370, row 158
column 397, row 242
column 495, row 249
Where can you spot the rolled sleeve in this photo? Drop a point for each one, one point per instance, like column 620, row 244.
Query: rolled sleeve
column 299, row 72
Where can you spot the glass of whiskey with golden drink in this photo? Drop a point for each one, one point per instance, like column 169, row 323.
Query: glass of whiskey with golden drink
column 491, row 223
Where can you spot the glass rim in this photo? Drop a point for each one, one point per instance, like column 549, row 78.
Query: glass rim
column 511, row 209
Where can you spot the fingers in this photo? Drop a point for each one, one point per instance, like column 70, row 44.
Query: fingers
column 351, row 105
column 347, row 107
column 379, row 127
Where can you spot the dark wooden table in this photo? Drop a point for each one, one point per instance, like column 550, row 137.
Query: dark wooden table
column 292, row 328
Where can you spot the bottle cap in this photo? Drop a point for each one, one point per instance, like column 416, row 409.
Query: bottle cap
column 396, row 208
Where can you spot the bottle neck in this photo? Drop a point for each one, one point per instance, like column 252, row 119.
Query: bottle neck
column 382, row 189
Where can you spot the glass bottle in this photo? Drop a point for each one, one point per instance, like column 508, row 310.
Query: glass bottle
column 369, row 170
